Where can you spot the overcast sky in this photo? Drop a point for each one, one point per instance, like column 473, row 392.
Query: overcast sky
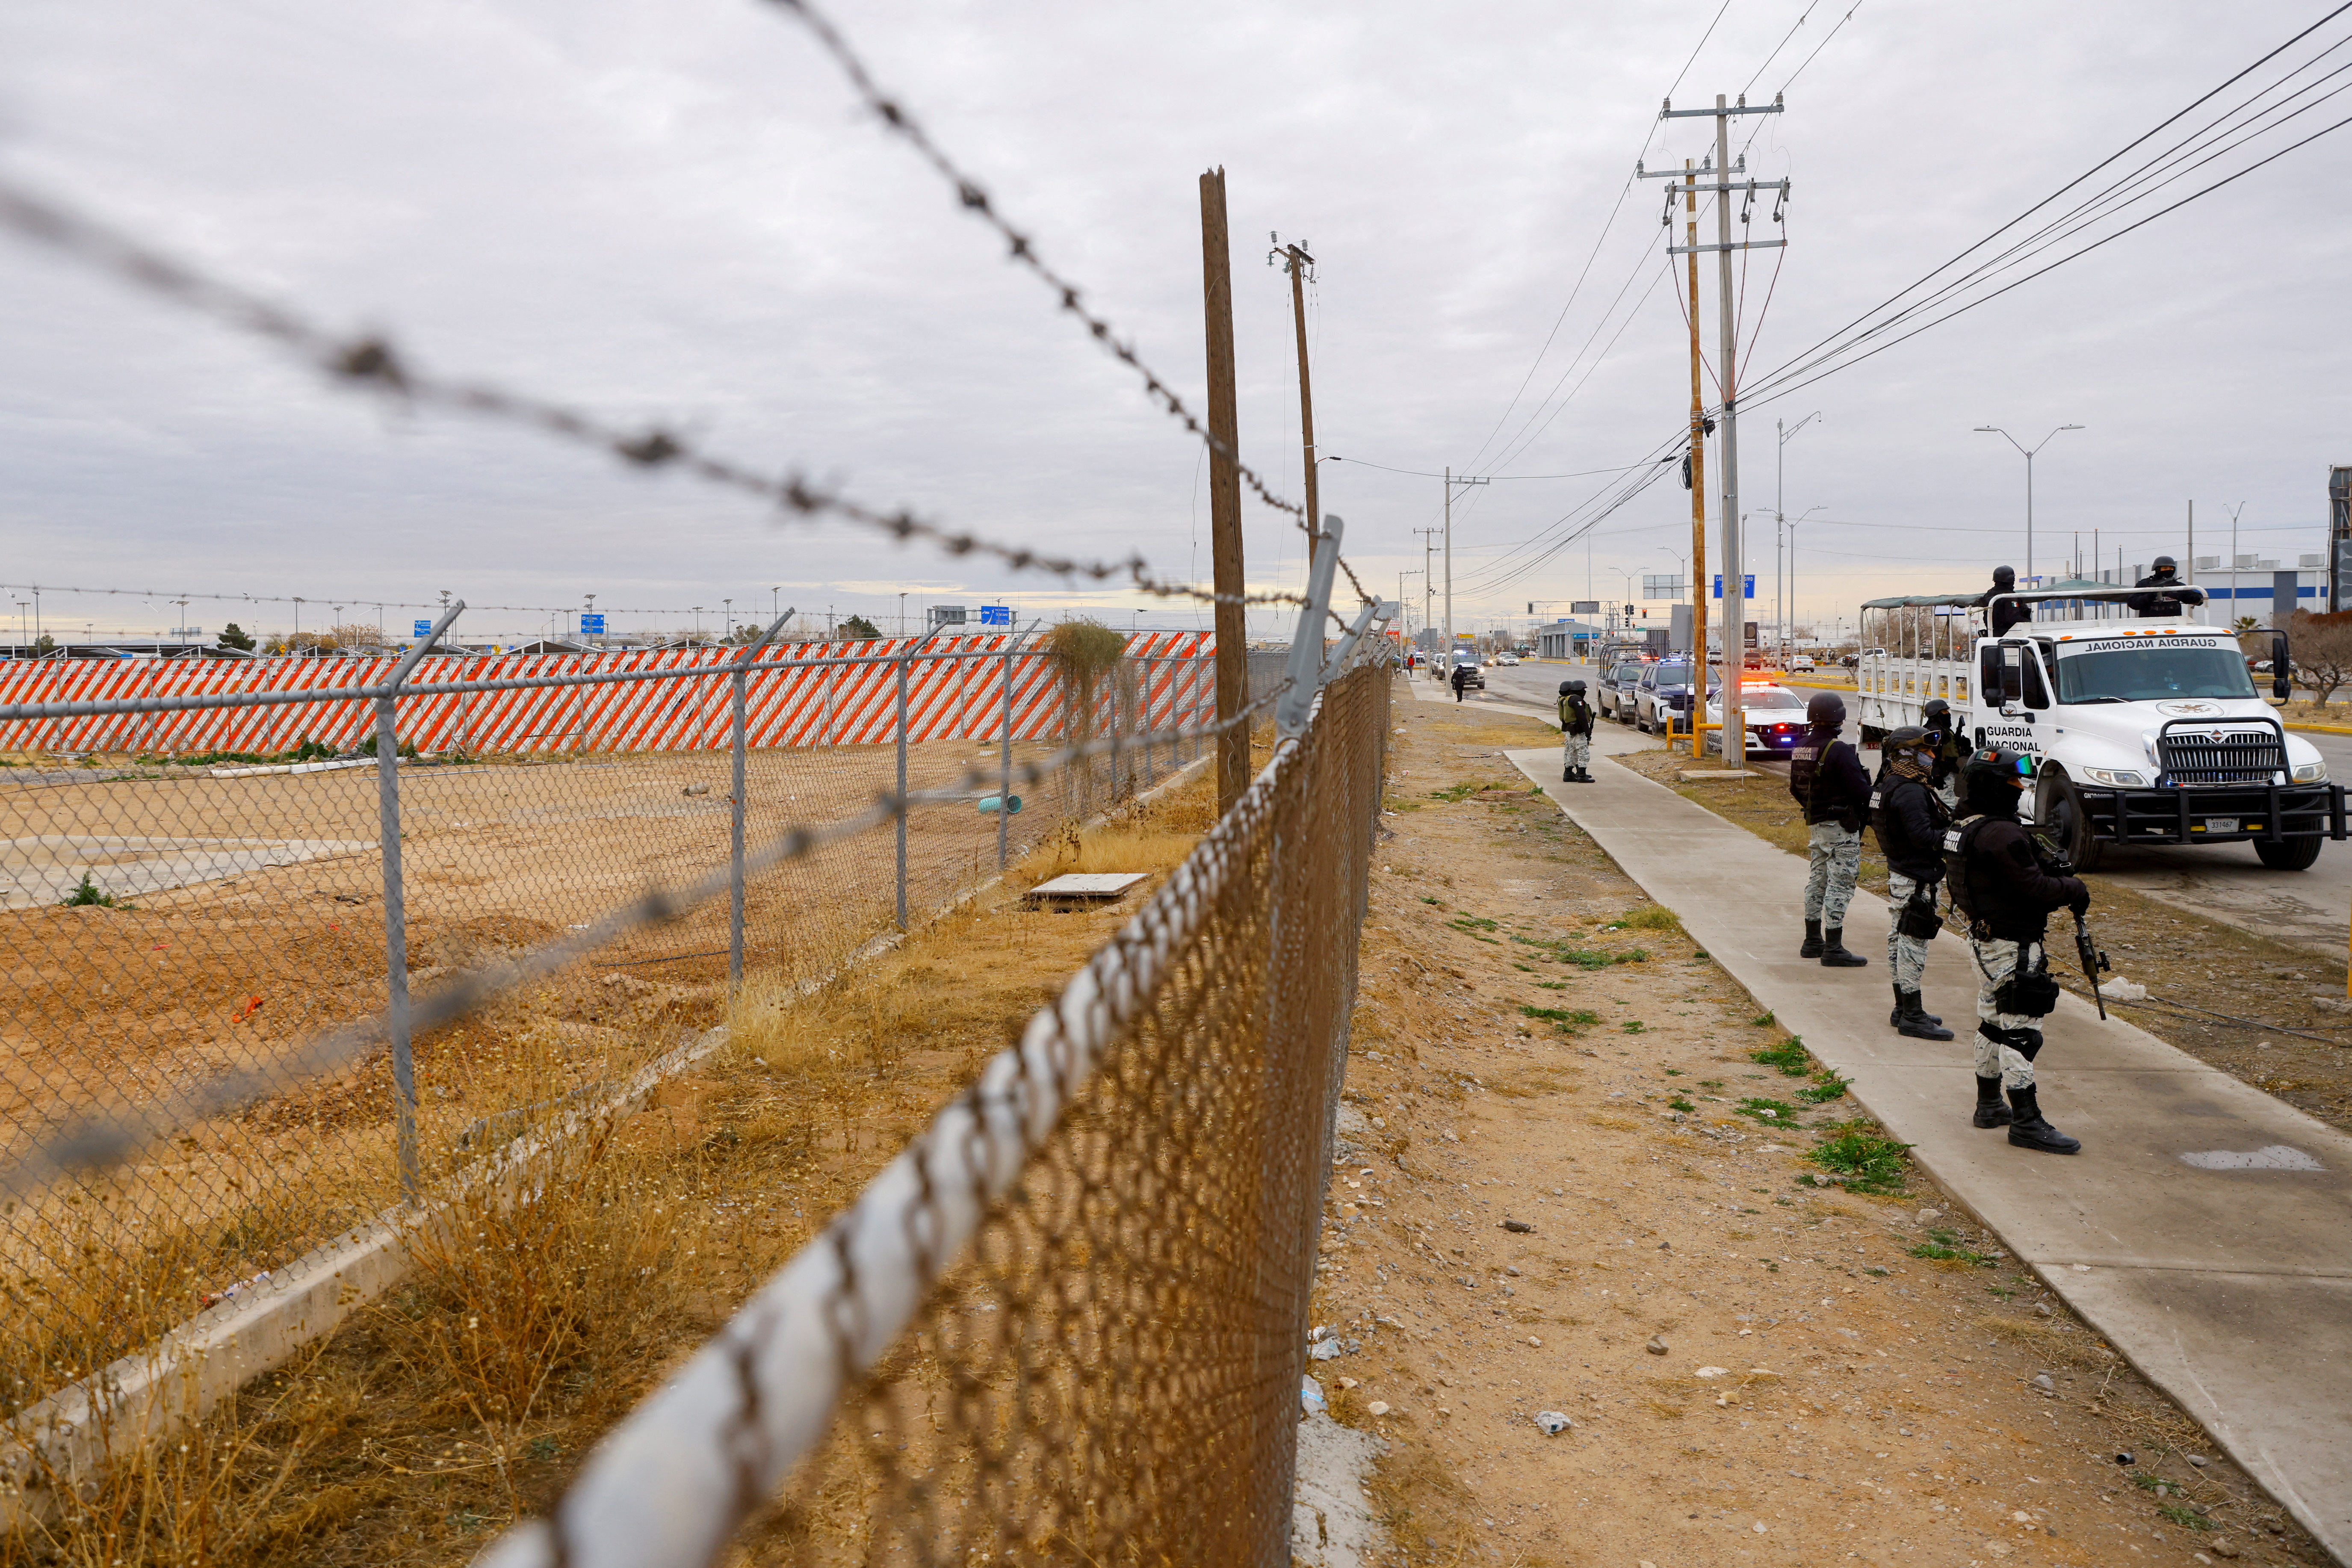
column 679, row 211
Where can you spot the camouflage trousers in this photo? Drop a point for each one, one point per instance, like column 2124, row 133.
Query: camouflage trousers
column 1575, row 750
column 1835, row 853
column 1906, row 956
column 2005, row 1042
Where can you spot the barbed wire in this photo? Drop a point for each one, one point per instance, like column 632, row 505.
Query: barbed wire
column 101, row 1142
column 372, row 363
column 976, row 199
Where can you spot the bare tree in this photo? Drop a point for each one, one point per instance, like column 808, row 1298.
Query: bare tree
column 2322, row 650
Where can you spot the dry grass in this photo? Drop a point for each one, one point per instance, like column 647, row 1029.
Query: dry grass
column 535, row 1320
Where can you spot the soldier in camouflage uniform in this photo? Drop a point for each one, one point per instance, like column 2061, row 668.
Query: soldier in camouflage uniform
column 1575, row 735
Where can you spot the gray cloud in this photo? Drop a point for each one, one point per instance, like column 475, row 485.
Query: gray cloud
column 678, row 213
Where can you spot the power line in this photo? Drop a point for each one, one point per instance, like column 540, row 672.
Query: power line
column 1435, row 474
column 1841, row 341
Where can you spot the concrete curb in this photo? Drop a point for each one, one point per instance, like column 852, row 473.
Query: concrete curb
column 2230, row 1289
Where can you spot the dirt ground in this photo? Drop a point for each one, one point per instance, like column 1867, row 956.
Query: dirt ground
column 1571, row 1188
column 2262, row 1011
column 249, row 916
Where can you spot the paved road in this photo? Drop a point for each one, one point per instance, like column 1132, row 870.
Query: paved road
column 2206, row 1228
column 2225, row 881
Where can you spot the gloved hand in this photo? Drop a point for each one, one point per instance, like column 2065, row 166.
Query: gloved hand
column 2081, row 903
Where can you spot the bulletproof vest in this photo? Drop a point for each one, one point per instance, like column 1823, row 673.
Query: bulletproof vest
column 1974, row 892
column 1805, row 770
column 1888, row 825
column 1958, row 837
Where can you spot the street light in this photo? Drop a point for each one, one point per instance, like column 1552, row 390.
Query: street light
column 1996, row 430
column 1784, row 589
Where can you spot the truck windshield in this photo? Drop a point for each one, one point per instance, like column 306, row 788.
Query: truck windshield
column 2152, row 673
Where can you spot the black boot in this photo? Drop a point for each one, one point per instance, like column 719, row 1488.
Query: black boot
column 2030, row 1132
column 1568, row 775
column 1990, row 1111
column 1895, row 1014
column 1584, row 775
column 1915, row 1023
column 1813, row 948
column 1834, row 953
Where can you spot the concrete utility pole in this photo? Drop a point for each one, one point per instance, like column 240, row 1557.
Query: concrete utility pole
column 1428, row 576
column 1782, row 585
column 1224, row 492
column 1450, row 482
column 1735, row 607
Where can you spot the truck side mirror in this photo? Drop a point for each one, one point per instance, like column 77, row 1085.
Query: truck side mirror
column 2281, row 687
column 2012, row 674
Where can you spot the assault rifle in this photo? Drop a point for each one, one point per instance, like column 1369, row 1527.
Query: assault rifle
column 2092, row 960
column 2086, row 948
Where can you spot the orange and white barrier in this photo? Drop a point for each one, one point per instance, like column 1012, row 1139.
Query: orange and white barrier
column 791, row 698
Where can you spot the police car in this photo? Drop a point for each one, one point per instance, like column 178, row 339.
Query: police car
column 1774, row 715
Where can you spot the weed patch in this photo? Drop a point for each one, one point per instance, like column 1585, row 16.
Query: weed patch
column 1865, row 1158
column 1944, row 1247
column 1568, row 1021
column 1826, row 1085
column 87, row 896
column 1789, row 1055
column 1777, row 1110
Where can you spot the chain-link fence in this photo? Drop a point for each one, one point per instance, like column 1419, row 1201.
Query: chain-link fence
column 1067, row 1324
column 195, row 883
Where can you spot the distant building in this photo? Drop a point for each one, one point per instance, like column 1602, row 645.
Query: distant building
column 1567, row 639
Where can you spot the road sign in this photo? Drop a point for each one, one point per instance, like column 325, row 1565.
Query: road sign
column 1749, row 592
column 424, row 629
column 1584, row 608
column 996, row 614
column 592, row 625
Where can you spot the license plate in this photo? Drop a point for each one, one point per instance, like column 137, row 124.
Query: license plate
column 2221, row 825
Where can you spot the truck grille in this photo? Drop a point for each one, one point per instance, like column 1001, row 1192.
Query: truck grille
column 2210, row 757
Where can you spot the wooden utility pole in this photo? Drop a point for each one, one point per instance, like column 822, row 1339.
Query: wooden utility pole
column 1296, row 261
column 1697, row 485
column 1225, row 493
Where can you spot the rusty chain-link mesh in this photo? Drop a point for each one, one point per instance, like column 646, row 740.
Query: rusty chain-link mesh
column 166, row 918
column 1109, row 1371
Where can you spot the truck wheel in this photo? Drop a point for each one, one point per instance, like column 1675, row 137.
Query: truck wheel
column 2289, row 854
column 2058, row 804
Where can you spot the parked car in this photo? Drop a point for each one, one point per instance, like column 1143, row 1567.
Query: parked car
column 1802, row 661
column 1665, row 689
column 1475, row 681
column 1507, row 658
column 1774, row 717
column 1613, row 694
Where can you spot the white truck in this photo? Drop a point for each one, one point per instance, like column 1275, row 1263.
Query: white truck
column 2143, row 730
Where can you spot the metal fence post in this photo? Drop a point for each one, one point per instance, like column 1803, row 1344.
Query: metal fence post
column 903, row 661
column 395, row 905
column 1004, row 752
column 1143, row 719
column 736, row 804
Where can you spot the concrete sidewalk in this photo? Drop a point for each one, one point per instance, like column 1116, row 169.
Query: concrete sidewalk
column 2205, row 1229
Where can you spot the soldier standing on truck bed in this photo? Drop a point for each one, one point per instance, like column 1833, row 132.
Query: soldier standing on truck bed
column 2009, row 612
column 1826, row 777
column 2007, row 882
column 2160, row 605
column 1910, row 820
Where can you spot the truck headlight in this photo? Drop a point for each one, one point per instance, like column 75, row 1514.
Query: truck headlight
column 2118, row 778
column 2311, row 773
